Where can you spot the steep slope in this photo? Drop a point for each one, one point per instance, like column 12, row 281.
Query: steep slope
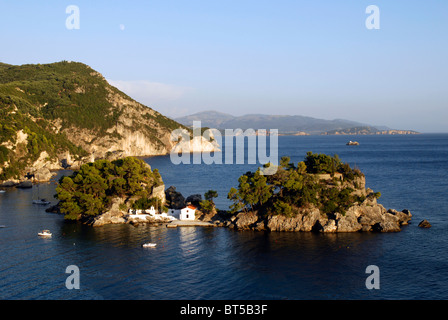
column 67, row 113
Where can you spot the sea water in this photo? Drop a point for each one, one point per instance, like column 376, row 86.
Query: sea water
column 411, row 172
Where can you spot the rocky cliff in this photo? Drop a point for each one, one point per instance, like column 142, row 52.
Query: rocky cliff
column 64, row 114
column 368, row 216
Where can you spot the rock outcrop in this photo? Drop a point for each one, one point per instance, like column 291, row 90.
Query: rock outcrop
column 174, row 199
column 424, row 224
column 159, row 192
column 24, row 184
column 194, row 199
column 113, row 216
column 365, row 217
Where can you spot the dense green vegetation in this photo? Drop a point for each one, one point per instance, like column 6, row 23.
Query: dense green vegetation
column 89, row 191
column 293, row 187
column 39, row 138
column 208, row 205
column 72, row 92
column 146, row 203
column 35, row 97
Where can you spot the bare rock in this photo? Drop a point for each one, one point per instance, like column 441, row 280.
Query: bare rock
column 159, row 192
column 43, row 174
column 282, row 223
column 349, row 222
column 310, row 219
column 194, row 199
column 113, row 216
column 174, row 199
column 329, row 226
column 259, row 226
column 424, row 224
column 9, row 183
column 386, row 226
column 25, row 184
column 245, row 220
column 403, row 217
column 370, row 216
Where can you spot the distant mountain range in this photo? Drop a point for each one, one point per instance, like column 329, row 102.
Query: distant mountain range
column 285, row 124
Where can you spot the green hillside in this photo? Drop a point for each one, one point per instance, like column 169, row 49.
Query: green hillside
column 67, row 107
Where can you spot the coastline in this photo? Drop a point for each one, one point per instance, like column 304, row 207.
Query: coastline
column 366, row 217
column 356, row 210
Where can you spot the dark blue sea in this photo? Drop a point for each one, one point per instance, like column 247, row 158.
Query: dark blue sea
column 192, row 263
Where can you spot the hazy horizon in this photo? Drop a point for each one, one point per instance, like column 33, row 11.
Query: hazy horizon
column 377, row 125
column 315, row 59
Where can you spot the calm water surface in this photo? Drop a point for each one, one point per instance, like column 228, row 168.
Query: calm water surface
column 201, row 263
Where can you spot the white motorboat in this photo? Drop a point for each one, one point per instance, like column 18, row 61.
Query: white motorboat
column 44, row 233
column 2, row 191
column 149, row 245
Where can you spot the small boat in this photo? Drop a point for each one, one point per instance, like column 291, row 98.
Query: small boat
column 149, row 245
column 352, row 143
column 41, row 202
column 2, row 191
column 44, row 233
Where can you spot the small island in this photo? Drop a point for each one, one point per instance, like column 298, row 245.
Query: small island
column 104, row 191
column 368, row 130
column 320, row 194
column 126, row 191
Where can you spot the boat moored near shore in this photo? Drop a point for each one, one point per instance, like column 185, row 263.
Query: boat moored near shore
column 45, row 233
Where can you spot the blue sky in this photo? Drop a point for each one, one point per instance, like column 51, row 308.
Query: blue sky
column 313, row 58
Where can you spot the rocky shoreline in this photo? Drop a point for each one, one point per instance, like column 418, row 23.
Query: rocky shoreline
column 43, row 170
column 33, row 176
column 368, row 216
column 340, row 202
column 359, row 218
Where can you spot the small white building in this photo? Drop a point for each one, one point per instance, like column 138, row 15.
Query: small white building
column 151, row 211
column 188, row 213
column 144, row 214
column 137, row 214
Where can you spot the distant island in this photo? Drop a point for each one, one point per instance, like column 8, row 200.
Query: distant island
column 366, row 130
column 286, row 125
